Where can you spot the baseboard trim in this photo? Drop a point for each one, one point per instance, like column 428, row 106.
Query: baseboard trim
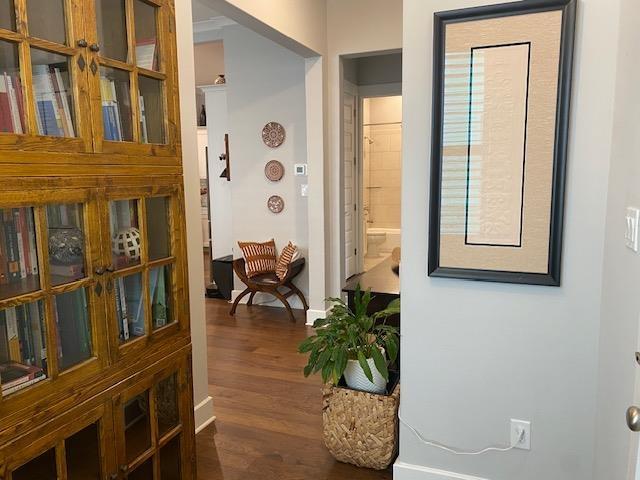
column 203, row 414
column 313, row 315
column 408, row 471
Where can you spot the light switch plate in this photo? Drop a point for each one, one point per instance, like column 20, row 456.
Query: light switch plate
column 631, row 224
column 300, row 169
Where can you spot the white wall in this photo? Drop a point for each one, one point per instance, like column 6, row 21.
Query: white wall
column 475, row 355
column 186, row 78
column 353, row 27
column 209, row 61
column 296, row 24
column 620, row 299
column 221, row 210
column 266, row 82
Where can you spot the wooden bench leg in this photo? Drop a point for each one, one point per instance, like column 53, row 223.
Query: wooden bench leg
column 250, row 302
column 300, row 295
column 283, row 299
column 244, row 293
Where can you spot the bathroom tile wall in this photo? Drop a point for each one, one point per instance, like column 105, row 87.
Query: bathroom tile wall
column 384, row 173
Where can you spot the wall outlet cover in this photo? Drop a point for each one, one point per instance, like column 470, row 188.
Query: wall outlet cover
column 517, row 426
column 304, row 190
column 632, row 220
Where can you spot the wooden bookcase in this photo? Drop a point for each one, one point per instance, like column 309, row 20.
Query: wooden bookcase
column 95, row 348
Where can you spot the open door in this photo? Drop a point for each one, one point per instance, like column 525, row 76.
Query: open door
column 350, row 180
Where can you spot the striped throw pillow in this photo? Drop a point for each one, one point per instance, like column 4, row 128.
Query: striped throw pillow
column 286, row 257
column 259, row 257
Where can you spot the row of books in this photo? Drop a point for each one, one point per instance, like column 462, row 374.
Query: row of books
column 116, row 109
column 64, row 215
column 116, row 122
column 11, row 103
column 18, row 257
column 53, row 100
column 129, row 308
column 23, row 351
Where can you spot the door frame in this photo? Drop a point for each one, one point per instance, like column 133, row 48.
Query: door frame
column 352, row 89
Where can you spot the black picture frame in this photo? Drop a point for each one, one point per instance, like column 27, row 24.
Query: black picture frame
column 441, row 19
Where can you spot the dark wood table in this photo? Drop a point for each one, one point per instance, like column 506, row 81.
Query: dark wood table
column 384, row 285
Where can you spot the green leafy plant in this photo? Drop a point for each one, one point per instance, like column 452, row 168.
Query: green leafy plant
column 352, row 335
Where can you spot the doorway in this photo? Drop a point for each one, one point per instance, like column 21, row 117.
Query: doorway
column 372, row 159
column 381, row 177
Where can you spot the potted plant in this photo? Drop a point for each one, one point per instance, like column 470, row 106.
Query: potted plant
column 354, row 344
column 360, row 424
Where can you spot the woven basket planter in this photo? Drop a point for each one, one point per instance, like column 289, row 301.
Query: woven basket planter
column 360, row 428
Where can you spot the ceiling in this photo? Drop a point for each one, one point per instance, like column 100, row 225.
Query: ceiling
column 203, row 11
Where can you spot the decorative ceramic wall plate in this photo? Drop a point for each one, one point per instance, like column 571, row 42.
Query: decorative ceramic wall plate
column 274, row 170
column 275, row 203
column 273, row 134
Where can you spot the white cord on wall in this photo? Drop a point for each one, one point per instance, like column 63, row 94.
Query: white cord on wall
column 456, row 451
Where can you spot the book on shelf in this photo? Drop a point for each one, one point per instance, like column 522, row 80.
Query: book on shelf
column 143, row 121
column 146, row 54
column 11, row 104
column 121, row 309
column 110, row 110
column 75, row 270
column 54, row 116
column 74, row 335
column 15, row 376
column 159, row 305
column 18, row 255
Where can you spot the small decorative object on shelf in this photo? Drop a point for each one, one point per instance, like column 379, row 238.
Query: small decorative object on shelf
column 273, row 134
column 274, row 170
column 224, row 157
column 126, row 243
column 66, row 245
column 220, row 80
column 202, row 119
column 275, row 203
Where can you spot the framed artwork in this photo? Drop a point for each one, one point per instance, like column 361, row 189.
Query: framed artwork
column 502, row 85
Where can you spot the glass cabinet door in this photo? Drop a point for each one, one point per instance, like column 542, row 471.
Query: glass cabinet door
column 142, row 274
column 48, row 291
column 76, row 449
column 150, row 425
column 43, row 80
column 132, row 47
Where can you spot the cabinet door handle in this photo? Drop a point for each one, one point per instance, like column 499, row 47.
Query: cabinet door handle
column 82, row 43
column 113, row 476
column 94, row 47
column 100, row 271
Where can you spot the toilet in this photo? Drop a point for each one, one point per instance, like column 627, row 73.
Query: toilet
column 374, row 240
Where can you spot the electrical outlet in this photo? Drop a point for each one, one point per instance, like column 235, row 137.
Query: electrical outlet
column 632, row 225
column 517, row 427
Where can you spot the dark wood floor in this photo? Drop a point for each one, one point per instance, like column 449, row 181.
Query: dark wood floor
column 269, row 422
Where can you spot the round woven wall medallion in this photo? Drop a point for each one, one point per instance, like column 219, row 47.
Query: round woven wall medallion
column 273, row 134
column 274, row 170
column 275, row 203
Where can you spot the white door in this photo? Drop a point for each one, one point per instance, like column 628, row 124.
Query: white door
column 350, row 190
